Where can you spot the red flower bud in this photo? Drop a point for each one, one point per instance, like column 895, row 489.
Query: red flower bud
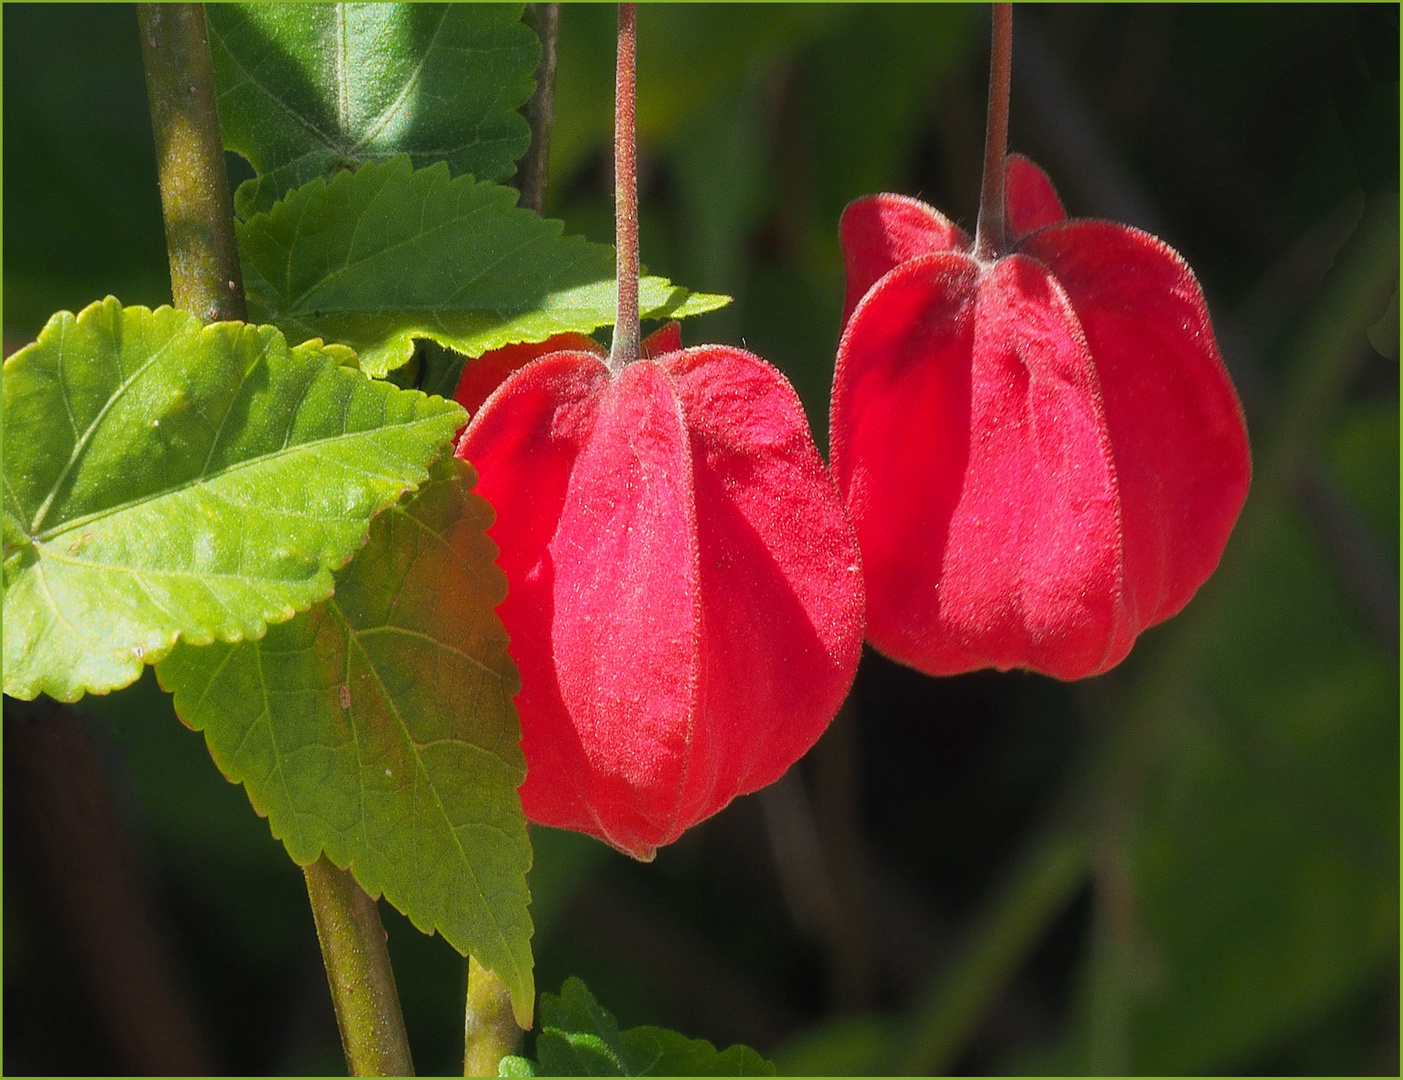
column 685, row 600
column 1042, row 455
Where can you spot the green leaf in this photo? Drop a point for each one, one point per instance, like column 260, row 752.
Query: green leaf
column 167, row 479
column 378, row 728
column 307, row 89
column 579, row 1037
column 382, row 256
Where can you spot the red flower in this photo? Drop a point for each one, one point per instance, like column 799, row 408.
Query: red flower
column 686, row 600
column 1042, row 455
column 483, row 375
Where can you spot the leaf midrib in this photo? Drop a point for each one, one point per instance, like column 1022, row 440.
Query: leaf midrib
column 309, row 447
column 81, row 444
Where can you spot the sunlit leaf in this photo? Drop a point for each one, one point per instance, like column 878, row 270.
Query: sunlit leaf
column 579, row 1037
column 166, row 479
column 378, row 727
column 306, row 89
column 382, row 256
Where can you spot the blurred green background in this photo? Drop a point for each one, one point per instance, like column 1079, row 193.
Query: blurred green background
column 1188, row 865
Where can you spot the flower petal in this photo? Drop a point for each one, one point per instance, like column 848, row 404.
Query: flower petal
column 781, row 583
column 1176, row 425
column 484, row 374
column 1030, row 200
column 626, row 619
column 879, row 232
column 899, row 439
column 970, row 441
column 665, row 339
column 525, row 441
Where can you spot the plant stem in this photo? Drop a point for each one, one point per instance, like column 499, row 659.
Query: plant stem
column 489, row 1030
column 625, row 347
column 990, row 234
column 206, row 281
column 195, row 200
column 540, row 110
column 358, row 971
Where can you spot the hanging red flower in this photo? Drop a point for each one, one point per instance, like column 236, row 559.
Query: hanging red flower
column 1041, row 451
column 685, row 598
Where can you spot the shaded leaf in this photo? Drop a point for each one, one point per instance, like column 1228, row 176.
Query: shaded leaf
column 307, row 89
column 579, row 1037
column 167, row 479
column 382, row 256
column 378, row 728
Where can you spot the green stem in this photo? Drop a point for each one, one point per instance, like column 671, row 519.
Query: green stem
column 540, row 110
column 195, row 199
column 1038, row 890
column 489, row 1029
column 358, row 971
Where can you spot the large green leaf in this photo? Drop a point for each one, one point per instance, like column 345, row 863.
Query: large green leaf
column 579, row 1037
column 166, row 479
column 306, row 89
column 387, row 254
column 378, row 728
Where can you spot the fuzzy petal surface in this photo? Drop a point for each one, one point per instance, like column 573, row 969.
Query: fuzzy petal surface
column 1030, row 200
column 781, row 581
column 1176, row 426
column 880, row 232
column 524, row 442
column 484, row 374
column 969, row 440
column 627, row 609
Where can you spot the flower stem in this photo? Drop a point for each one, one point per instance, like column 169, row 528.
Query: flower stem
column 195, row 199
column 489, row 1029
column 358, row 971
column 540, row 110
column 625, row 347
column 991, row 235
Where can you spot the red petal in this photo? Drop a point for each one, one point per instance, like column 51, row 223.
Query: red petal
column 1029, row 197
column 781, row 584
column 1176, row 425
column 686, row 602
column 483, row 375
column 969, row 439
column 627, row 612
column 880, row 232
column 524, row 443
column 665, row 339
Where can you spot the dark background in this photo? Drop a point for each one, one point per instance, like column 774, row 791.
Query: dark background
column 1249, row 862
